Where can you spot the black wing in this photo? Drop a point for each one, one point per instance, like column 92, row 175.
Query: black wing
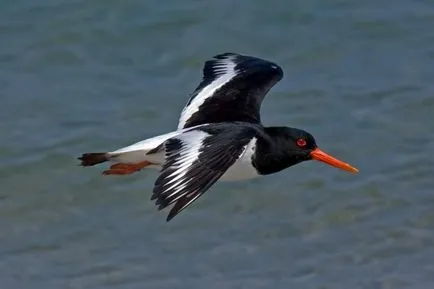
column 232, row 89
column 195, row 160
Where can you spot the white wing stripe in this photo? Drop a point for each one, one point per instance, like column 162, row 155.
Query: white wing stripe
column 188, row 155
column 186, row 160
column 226, row 69
column 180, row 188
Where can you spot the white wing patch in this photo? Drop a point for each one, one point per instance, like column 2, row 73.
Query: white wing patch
column 196, row 159
column 187, row 156
column 224, row 69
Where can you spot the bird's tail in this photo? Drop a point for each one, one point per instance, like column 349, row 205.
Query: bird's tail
column 91, row 159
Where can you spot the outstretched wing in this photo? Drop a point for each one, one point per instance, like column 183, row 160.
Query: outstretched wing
column 232, row 89
column 195, row 160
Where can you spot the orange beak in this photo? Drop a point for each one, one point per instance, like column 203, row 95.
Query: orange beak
column 321, row 156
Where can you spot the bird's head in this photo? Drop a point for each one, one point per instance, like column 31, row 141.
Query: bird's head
column 299, row 145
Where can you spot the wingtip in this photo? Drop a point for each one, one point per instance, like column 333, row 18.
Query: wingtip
column 172, row 214
column 225, row 55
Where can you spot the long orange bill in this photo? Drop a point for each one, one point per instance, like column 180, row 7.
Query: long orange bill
column 321, row 156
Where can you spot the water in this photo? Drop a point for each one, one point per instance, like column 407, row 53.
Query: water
column 80, row 76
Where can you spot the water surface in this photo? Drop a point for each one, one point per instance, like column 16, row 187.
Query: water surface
column 80, row 76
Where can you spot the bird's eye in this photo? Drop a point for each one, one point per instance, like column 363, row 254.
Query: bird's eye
column 301, row 142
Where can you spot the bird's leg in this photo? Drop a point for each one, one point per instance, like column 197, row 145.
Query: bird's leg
column 126, row 169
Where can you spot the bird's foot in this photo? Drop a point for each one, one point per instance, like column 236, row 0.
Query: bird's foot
column 126, row 169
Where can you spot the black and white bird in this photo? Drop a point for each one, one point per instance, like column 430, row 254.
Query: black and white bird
column 219, row 137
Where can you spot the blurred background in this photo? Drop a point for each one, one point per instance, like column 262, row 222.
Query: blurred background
column 79, row 76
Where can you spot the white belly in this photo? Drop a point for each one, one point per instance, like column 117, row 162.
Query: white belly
column 242, row 169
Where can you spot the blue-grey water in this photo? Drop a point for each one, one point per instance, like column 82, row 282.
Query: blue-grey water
column 79, row 76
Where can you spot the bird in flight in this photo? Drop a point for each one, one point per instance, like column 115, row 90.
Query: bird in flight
column 220, row 136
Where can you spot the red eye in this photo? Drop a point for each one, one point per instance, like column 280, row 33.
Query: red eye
column 301, row 142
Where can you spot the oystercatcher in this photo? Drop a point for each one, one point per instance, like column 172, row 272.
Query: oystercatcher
column 219, row 137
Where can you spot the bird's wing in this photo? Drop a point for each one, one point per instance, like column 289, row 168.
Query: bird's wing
column 232, row 89
column 195, row 160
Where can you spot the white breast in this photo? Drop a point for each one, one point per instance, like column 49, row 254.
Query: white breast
column 242, row 169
